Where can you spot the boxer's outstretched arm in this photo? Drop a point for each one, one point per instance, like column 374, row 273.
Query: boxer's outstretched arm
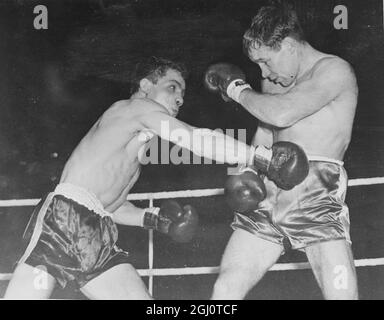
column 128, row 214
column 206, row 143
column 329, row 79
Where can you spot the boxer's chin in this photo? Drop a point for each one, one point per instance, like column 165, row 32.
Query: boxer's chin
column 286, row 82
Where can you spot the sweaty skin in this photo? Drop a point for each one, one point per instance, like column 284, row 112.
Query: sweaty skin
column 308, row 98
column 314, row 108
column 106, row 162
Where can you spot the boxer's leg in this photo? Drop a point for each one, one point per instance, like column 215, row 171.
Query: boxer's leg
column 121, row 282
column 333, row 265
column 30, row 283
column 246, row 259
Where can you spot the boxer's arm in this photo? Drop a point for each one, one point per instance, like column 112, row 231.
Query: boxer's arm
column 264, row 132
column 330, row 78
column 206, row 143
column 263, row 135
column 128, row 214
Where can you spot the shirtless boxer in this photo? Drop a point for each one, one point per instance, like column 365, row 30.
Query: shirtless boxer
column 72, row 234
column 309, row 98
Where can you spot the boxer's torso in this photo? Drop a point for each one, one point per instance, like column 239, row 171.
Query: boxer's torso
column 106, row 161
column 326, row 132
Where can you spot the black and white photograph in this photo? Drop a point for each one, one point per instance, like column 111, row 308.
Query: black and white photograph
column 192, row 150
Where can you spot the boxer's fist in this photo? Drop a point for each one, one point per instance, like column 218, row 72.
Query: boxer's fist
column 286, row 163
column 245, row 191
column 224, row 78
column 179, row 223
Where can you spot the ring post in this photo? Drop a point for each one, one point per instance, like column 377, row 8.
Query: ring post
column 150, row 254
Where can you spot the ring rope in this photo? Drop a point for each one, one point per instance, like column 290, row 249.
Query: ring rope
column 277, row 267
column 164, row 272
column 151, row 272
column 181, row 194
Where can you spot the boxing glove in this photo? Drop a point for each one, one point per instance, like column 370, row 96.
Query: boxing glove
column 244, row 192
column 227, row 79
column 171, row 219
column 285, row 163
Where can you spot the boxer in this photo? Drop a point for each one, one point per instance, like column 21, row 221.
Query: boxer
column 308, row 98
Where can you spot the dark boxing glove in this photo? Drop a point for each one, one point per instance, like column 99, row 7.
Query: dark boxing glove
column 285, row 163
column 171, row 219
column 244, row 192
column 227, row 79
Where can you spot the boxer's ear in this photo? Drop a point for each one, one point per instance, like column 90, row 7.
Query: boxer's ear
column 146, row 85
column 289, row 44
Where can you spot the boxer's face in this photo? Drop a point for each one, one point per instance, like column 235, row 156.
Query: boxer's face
column 279, row 66
column 168, row 91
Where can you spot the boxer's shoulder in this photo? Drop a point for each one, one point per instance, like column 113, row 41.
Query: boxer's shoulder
column 331, row 72
column 121, row 104
column 332, row 65
column 135, row 107
column 145, row 105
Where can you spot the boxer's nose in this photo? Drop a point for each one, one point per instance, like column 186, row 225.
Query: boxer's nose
column 264, row 71
column 179, row 101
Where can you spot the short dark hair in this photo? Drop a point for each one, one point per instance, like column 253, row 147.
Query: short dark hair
column 271, row 26
column 153, row 68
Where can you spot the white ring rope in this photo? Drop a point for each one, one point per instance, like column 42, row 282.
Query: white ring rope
column 164, row 272
column 180, row 194
column 200, row 270
column 277, row 267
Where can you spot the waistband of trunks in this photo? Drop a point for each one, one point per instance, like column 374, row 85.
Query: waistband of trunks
column 325, row 159
column 82, row 197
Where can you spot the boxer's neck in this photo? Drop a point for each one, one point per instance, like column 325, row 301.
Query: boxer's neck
column 308, row 57
column 138, row 94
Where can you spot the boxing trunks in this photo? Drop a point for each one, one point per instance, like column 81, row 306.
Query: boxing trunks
column 312, row 212
column 72, row 236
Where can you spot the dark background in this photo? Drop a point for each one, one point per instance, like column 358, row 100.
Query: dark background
column 55, row 83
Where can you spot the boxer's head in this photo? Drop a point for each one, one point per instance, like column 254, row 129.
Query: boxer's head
column 161, row 80
column 272, row 41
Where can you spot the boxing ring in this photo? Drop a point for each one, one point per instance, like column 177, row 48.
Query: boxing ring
column 152, row 272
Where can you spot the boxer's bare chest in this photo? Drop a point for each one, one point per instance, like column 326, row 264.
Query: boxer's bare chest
column 326, row 132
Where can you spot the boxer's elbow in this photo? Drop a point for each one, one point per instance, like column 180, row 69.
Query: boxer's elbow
column 283, row 119
column 273, row 110
column 288, row 112
column 280, row 112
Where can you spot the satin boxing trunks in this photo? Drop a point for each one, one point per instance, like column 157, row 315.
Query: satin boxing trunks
column 72, row 236
column 312, row 212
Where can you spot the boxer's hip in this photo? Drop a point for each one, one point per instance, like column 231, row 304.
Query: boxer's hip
column 70, row 230
column 312, row 211
column 326, row 182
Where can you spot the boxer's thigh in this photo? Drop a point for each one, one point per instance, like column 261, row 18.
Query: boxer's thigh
column 121, row 282
column 247, row 256
column 333, row 265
